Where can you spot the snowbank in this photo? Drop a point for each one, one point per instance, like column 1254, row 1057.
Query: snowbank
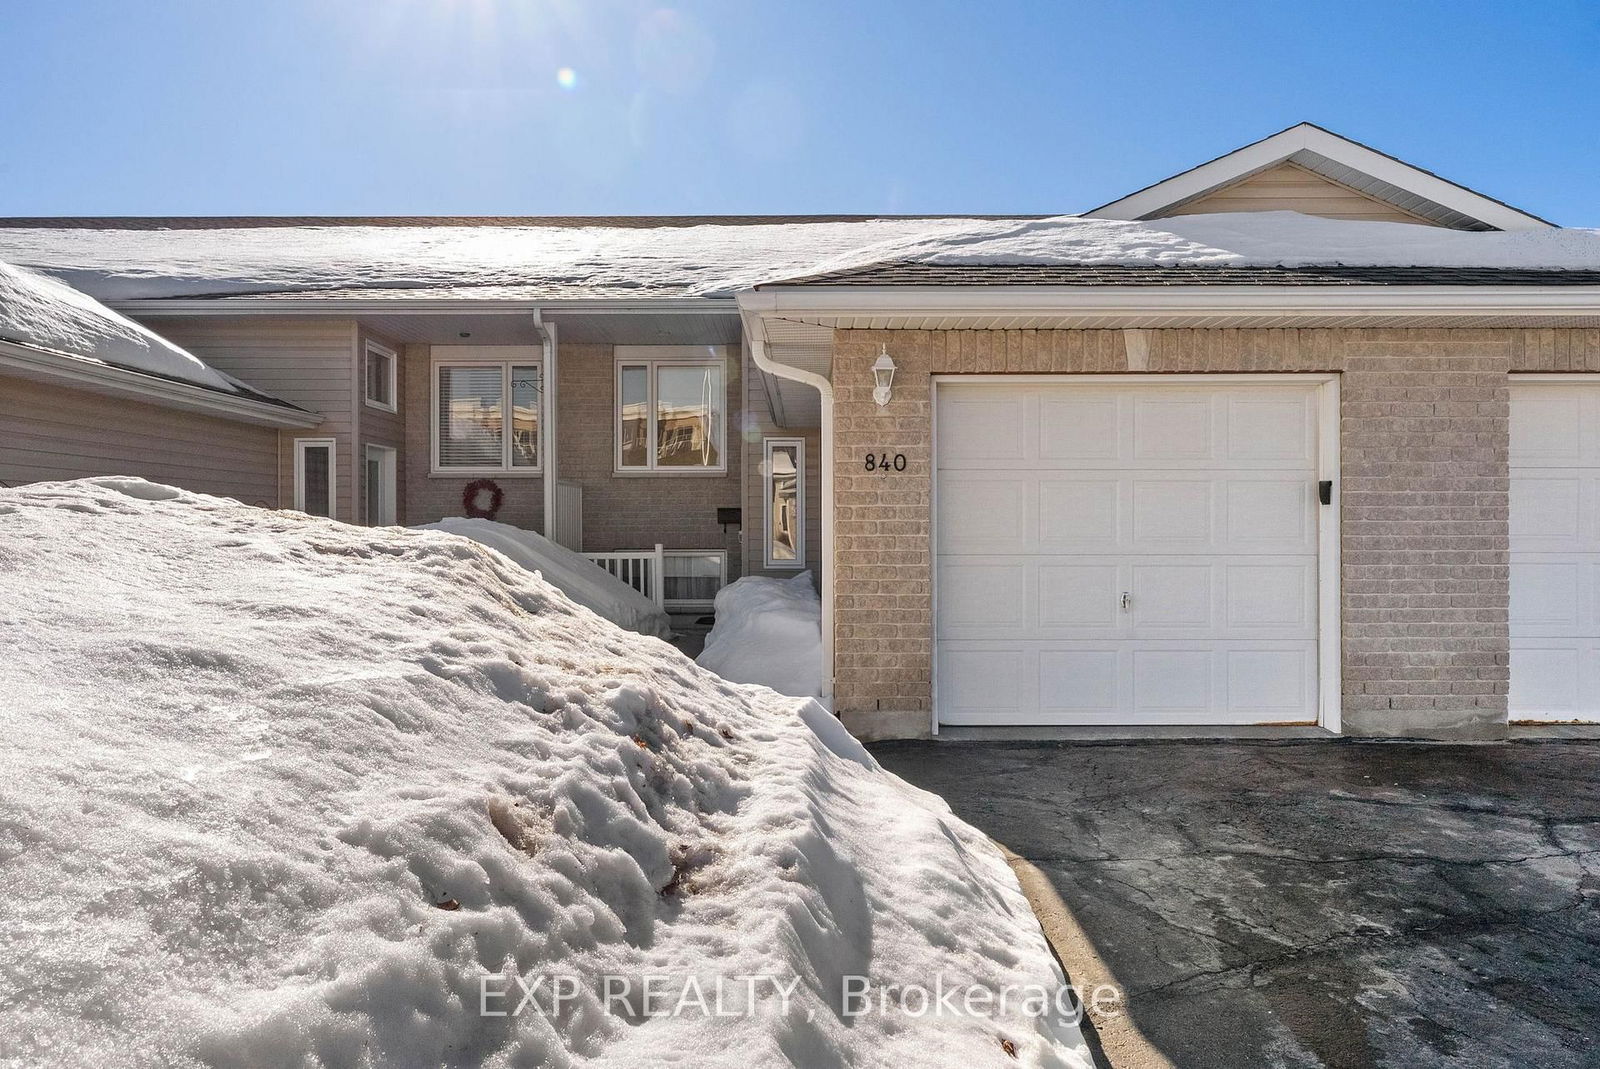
column 768, row 631
column 281, row 791
column 44, row 313
column 573, row 574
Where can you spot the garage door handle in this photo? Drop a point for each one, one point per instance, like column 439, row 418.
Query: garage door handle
column 1127, row 600
column 1325, row 491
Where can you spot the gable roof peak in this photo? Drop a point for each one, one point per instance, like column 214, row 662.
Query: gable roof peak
column 1342, row 161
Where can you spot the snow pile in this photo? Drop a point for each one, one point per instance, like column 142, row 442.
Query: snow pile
column 43, row 313
column 282, row 791
column 715, row 260
column 1230, row 239
column 573, row 574
column 768, row 631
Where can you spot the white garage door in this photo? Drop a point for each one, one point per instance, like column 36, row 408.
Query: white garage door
column 1555, row 551
column 1126, row 554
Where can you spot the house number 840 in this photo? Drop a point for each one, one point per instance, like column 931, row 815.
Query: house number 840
column 885, row 462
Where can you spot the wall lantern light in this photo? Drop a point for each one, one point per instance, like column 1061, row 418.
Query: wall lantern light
column 883, row 375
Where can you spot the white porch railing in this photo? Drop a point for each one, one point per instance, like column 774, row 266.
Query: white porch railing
column 569, row 515
column 642, row 569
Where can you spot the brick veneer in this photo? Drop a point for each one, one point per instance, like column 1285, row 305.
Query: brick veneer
column 1423, row 439
column 619, row 512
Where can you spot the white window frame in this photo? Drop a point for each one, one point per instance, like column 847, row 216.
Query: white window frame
column 393, row 357
column 300, row 447
column 653, row 358
column 768, row 446
column 387, row 459
column 505, row 357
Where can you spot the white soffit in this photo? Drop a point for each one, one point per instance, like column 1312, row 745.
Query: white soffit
column 1347, row 162
column 809, row 347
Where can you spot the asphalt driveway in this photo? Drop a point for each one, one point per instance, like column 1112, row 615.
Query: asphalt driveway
column 1307, row 903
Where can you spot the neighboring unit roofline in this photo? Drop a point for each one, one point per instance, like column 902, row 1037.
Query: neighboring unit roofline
column 49, row 365
column 1276, row 148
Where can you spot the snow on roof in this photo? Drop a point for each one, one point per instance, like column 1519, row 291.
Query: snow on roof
column 283, row 791
column 505, row 262
column 1230, row 240
column 716, row 260
column 46, row 314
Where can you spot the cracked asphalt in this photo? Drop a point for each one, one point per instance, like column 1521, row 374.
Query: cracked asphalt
column 1308, row 904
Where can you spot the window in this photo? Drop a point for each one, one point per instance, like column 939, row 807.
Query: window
column 671, row 401
column 314, row 476
column 380, row 376
column 690, row 578
column 378, row 485
column 783, row 475
column 487, row 412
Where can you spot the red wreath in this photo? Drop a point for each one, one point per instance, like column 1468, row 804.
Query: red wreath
column 469, row 499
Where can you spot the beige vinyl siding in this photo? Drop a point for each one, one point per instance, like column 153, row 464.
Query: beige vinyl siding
column 759, row 424
column 1290, row 187
column 60, row 432
column 307, row 361
column 374, row 426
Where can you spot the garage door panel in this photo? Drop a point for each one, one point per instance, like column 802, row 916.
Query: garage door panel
column 1077, row 596
column 984, row 512
column 1079, row 513
column 1547, row 680
column 1165, row 494
column 1078, row 428
column 1078, row 683
column 987, row 686
column 1269, row 684
column 1262, row 594
column 1274, row 515
column 1547, row 510
column 1171, row 681
column 1172, row 428
column 985, row 596
column 1168, row 596
column 1279, row 428
column 1548, row 595
column 1169, row 513
column 984, row 429
column 1547, row 426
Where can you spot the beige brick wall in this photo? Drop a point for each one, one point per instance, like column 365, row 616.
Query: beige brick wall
column 429, row 497
column 1423, row 432
column 619, row 512
column 636, row 511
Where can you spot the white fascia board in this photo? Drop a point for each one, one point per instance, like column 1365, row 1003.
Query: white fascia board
column 1280, row 146
column 235, row 306
column 1147, row 301
column 42, row 365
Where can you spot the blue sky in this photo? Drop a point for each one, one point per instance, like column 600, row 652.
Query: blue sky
column 115, row 107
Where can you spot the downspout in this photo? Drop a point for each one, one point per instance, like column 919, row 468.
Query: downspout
column 750, row 305
column 547, row 422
